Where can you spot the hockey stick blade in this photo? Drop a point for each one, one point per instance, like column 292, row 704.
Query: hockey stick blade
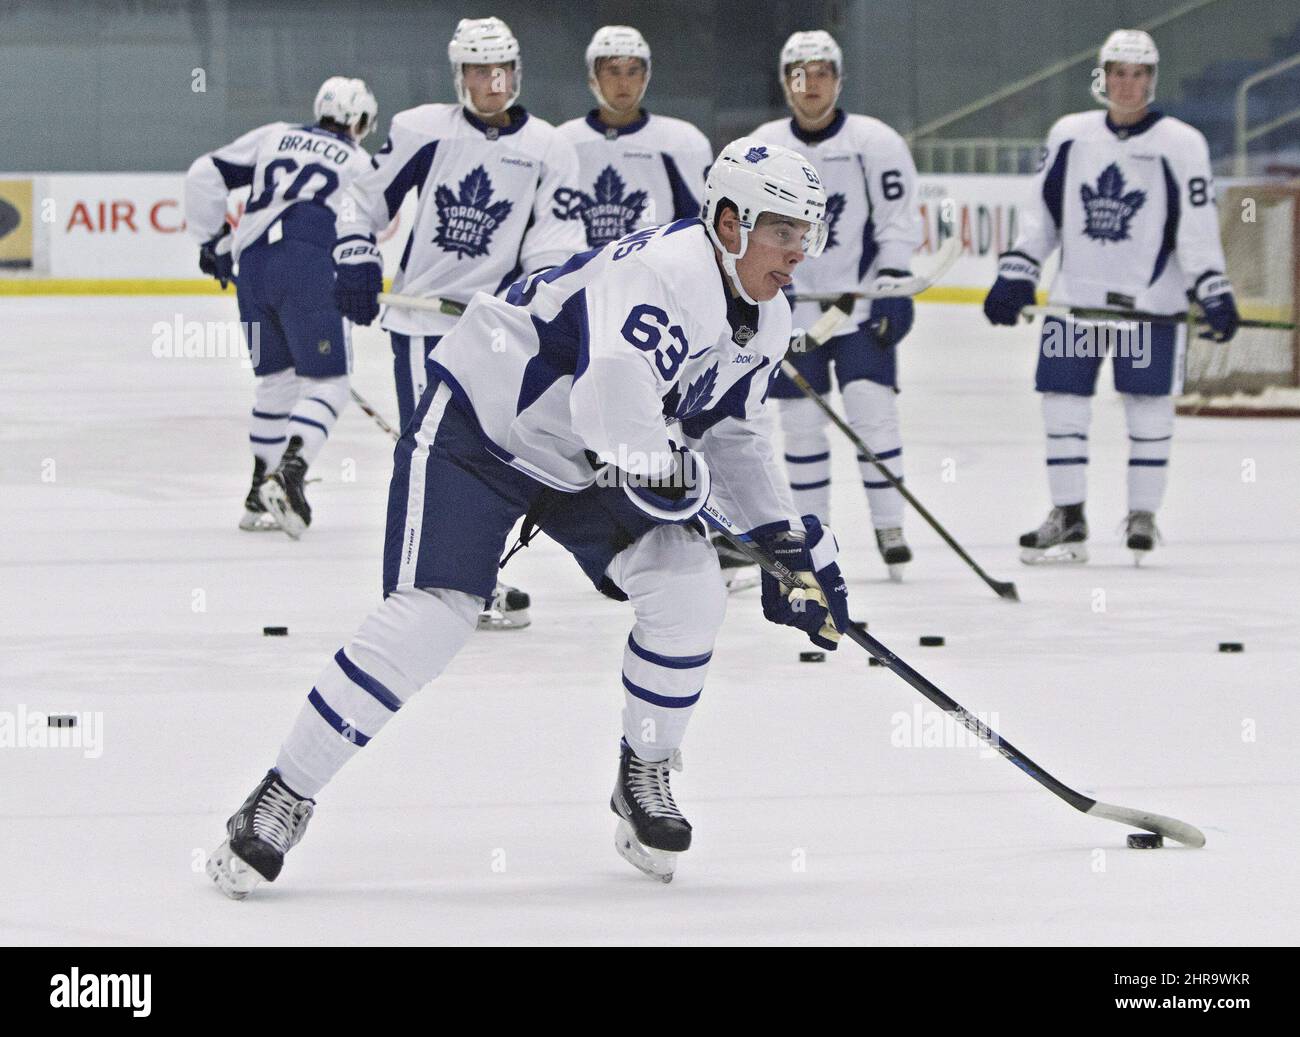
column 1179, row 831
column 944, row 257
column 434, row 304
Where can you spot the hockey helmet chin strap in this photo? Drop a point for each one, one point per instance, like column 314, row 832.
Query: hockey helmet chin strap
column 728, row 260
column 462, row 92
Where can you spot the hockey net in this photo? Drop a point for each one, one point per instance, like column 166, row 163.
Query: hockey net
column 1257, row 374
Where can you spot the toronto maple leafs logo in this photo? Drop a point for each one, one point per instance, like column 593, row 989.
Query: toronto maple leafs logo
column 698, row 394
column 834, row 209
column 756, row 155
column 1107, row 209
column 467, row 219
column 606, row 213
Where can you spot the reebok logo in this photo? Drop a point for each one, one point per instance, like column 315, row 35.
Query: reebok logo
column 73, row 990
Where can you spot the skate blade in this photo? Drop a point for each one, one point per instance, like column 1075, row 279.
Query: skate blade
column 273, row 500
column 233, row 877
column 1061, row 554
column 1138, row 556
column 658, row 864
column 516, row 619
column 896, row 571
column 258, row 522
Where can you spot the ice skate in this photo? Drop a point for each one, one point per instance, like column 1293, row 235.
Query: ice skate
column 1142, row 534
column 283, row 493
column 738, row 571
column 256, row 518
column 1060, row 539
column 508, row 610
column 651, row 830
column 894, row 550
column 258, row 835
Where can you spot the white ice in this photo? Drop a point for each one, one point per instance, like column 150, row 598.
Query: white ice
column 480, row 815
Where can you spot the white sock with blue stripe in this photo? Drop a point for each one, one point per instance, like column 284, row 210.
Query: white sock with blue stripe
column 872, row 412
column 1065, row 419
column 399, row 648
column 319, row 405
column 1150, row 435
column 273, row 400
column 660, row 692
column 807, row 457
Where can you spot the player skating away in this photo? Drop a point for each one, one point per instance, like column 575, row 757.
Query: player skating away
column 874, row 228
column 636, row 169
column 302, row 351
column 1128, row 197
column 684, row 321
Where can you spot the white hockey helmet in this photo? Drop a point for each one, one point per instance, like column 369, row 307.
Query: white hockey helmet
column 756, row 177
column 483, row 41
column 1132, row 46
column 349, row 103
column 616, row 41
column 811, row 45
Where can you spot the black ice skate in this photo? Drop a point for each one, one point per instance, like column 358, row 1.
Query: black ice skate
column 283, row 493
column 894, row 550
column 258, row 835
column 256, row 518
column 508, row 610
column 1061, row 538
column 1142, row 534
column 738, row 570
column 651, row 830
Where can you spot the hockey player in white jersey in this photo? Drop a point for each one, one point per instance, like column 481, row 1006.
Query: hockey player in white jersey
column 636, row 169
column 565, row 424
column 874, row 228
column 301, row 348
column 1127, row 195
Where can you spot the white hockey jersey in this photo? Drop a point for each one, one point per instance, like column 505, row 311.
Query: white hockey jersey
column 485, row 211
column 640, row 175
column 284, row 165
column 1131, row 208
column 602, row 353
column 872, row 216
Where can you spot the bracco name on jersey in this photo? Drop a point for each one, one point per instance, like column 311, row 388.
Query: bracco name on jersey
column 644, row 174
column 646, row 321
column 1132, row 209
column 872, row 218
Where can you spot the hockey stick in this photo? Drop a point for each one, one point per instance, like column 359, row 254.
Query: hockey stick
column 1085, row 313
column 433, row 304
column 1179, row 831
column 944, row 257
column 371, row 412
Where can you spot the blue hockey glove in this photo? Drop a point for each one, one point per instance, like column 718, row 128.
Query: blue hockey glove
column 891, row 318
column 215, row 259
column 359, row 278
column 821, row 610
column 1014, row 288
column 676, row 496
column 1214, row 292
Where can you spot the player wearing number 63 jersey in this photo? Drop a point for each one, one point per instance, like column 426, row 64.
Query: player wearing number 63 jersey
column 553, row 406
column 874, row 228
column 297, row 176
column 1127, row 195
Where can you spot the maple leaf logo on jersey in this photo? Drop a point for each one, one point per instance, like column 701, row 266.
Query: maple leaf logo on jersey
column 1107, row 210
column 834, row 209
column 606, row 213
column 697, row 394
column 466, row 220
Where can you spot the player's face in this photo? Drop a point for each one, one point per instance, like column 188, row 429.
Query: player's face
column 775, row 248
column 489, row 86
column 621, row 81
column 1127, row 84
column 812, row 87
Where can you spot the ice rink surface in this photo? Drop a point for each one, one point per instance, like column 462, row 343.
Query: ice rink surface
column 823, row 810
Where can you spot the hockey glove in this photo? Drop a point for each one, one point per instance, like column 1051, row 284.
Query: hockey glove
column 215, row 259
column 1013, row 290
column 359, row 278
column 676, row 496
column 821, row 610
column 891, row 318
column 1214, row 292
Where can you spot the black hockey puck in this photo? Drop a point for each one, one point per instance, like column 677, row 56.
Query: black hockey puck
column 812, row 657
column 873, row 661
column 61, row 720
column 1145, row 841
column 275, row 631
column 931, row 641
column 1231, row 646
